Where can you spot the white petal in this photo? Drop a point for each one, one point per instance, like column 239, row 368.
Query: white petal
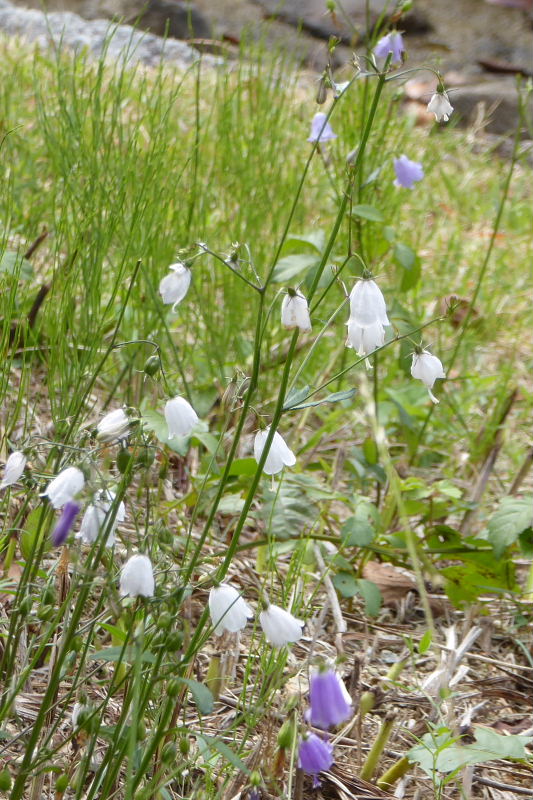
column 137, row 577
column 365, row 340
column 367, row 304
column 228, row 609
column 114, row 425
column 279, row 455
column 180, row 417
column 295, row 312
column 174, row 287
column 65, row 486
column 14, row 468
column 279, row 626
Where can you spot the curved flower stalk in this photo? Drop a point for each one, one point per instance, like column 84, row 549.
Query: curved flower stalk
column 279, row 455
column 13, row 469
column 229, row 612
column 180, row 416
column 279, row 626
column 427, row 368
column 174, row 287
column 137, row 577
column 65, row 486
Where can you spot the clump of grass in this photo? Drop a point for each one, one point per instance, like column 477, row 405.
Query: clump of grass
column 127, row 170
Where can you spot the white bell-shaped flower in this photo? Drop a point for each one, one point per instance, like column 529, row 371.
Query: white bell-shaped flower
column 365, row 340
column 295, row 311
column 440, row 106
column 367, row 304
column 174, row 287
column 95, row 516
column 279, row 626
column 427, row 368
column 137, row 577
column 229, row 612
column 65, row 486
column 180, row 416
column 13, row 469
column 114, row 426
column 279, row 455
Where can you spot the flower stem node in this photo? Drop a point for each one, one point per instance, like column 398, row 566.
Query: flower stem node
column 279, row 626
column 295, row 311
column 137, row 577
column 180, row 417
column 427, row 368
column 229, row 612
column 279, row 455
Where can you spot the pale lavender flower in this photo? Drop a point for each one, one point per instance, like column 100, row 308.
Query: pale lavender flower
column 321, row 130
column 314, row 754
column 391, row 43
column 407, row 172
column 65, row 523
column 330, row 702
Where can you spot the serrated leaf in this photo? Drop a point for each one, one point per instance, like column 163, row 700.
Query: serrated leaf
column 367, row 212
column 371, row 595
column 126, row 655
column 345, row 583
column 357, row 532
column 512, row 518
column 201, row 695
column 289, row 266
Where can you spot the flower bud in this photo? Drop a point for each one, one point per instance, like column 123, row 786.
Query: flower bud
column 286, row 734
column 322, row 91
column 152, row 366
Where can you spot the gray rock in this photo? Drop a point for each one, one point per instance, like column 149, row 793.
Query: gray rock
column 173, row 18
column 95, row 36
column 495, row 101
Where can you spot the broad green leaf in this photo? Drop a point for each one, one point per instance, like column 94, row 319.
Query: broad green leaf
column 513, row 517
column 201, row 695
column 357, row 532
column 502, row 746
column 209, row 441
column 13, row 263
column 127, row 655
column 155, row 422
column 231, row 504
column 316, row 239
column 28, row 535
column 296, row 396
column 345, row 583
column 425, row 642
column 243, row 466
column 368, row 212
column 289, row 266
column 288, row 511
column 371, row 595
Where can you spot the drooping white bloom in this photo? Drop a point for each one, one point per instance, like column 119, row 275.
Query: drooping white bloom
column 229, row 612
column 295, row 311
column 95, row 516
column 440, row 106
column 427, row 368
column 13, row 469
column 65, row 486
column 174, row 287
column 365, row 340
column 114, row 426
column 279, row 455
column 180, row 416
column 279, row 626
column 76, row 711
column 137, row 577
column 367, row 304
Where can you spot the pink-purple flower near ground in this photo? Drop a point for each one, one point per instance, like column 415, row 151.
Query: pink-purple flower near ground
column 321, row 130
column 407, row 172
column 65, row 523
column 314, row 754
column 391, row 43
column 330, row 702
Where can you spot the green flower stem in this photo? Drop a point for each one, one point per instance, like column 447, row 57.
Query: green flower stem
column 376, row 751
column 394, row 773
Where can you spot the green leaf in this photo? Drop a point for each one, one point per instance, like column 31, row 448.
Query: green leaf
column 345, row 584
column 334, row 397
column 512, row 518
column 316, row 239
column 288, row 511
column 357, row 532
column 231, row 504
column 118, row 654
column 296, row 396
column 368, row 212
column 213, row 743
column 425, row 643
column 29, row 534
column 13, row 263
column 371, row 595
column 243, row 466
column 201, row 695
column 209, row 441
column 155, row 422
column 502, row 746
column 406, row 257
column 290, row 266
